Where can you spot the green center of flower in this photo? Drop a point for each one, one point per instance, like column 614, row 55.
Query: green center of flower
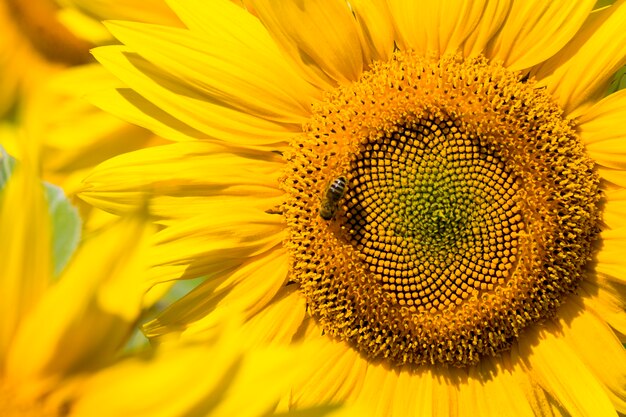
column 437, row 208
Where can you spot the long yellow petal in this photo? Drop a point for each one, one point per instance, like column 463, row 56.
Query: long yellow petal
column 320, row 36
column 244, row 291
column 338, row 376
column 492, row 19
column 81, row 322
column 376, row 27
column 197, row 172
column 436, row 26
column 603, row 131
column 588, row 335
column 535, row 30
column 221, row 378
column 583, row 69
column 266, row 87
column 561, row 373
column 25, row 248
column 157, row 95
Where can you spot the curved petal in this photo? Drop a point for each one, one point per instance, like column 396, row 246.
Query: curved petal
column 280, row 321
column 614, row 211
column 584, row 68
column 179, row 106
column 491, row 21
column 26, row 251
column 603, row 131
column 376, row 27
column 610, row 258
column 605, row 297
column 320, row 36
column 535, row 30
column 588, row 335
column 562, row 374
column 243, row 292
column 339, row 375
column 212, row 66
column 196, row 173
column 81, row 322
column 436, row 26
column 493, row 389
column 221, row 378
column 215, row 242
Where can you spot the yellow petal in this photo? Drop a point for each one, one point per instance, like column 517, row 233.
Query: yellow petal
column 606, row 297
column 610, row 258
column 82, row 321
column 26, row 266
column 211, row 66
column 535, row 30
column 135, row 10
column 614, row 211
column 492, row 19
column 603, row 131
column 280, row 321
column 219, row 379
column 338, row 376
column 435, row 26
column 582, row 70
column 561, row 373
column 216, row 242
column 376, row 27
column 157, row 95
column 541, row 401
column 197, row 173
column 321, row 37
column 614, row 177
column 244, row 292
column 596, row 344
column 495, row 389
column 378, row 390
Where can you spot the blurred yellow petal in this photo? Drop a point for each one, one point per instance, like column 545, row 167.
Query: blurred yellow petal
column 26, row 246
column 216, row 241
column 83, row 320
column 213, row 380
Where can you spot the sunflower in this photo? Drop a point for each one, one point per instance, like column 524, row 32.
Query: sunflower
column 433, row 190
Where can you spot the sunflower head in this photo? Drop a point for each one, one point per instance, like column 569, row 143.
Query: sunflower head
column 467, row 211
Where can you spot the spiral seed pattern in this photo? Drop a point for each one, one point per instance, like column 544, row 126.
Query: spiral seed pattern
column 469, row 213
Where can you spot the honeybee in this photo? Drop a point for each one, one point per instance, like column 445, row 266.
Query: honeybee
column 333, row 194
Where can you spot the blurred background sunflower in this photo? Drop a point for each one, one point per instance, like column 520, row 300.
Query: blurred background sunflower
column 432, row 191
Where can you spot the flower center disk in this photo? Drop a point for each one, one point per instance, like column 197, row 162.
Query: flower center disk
column 436, row 208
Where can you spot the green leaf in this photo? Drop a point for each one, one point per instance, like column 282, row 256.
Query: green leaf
column 66, row 226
